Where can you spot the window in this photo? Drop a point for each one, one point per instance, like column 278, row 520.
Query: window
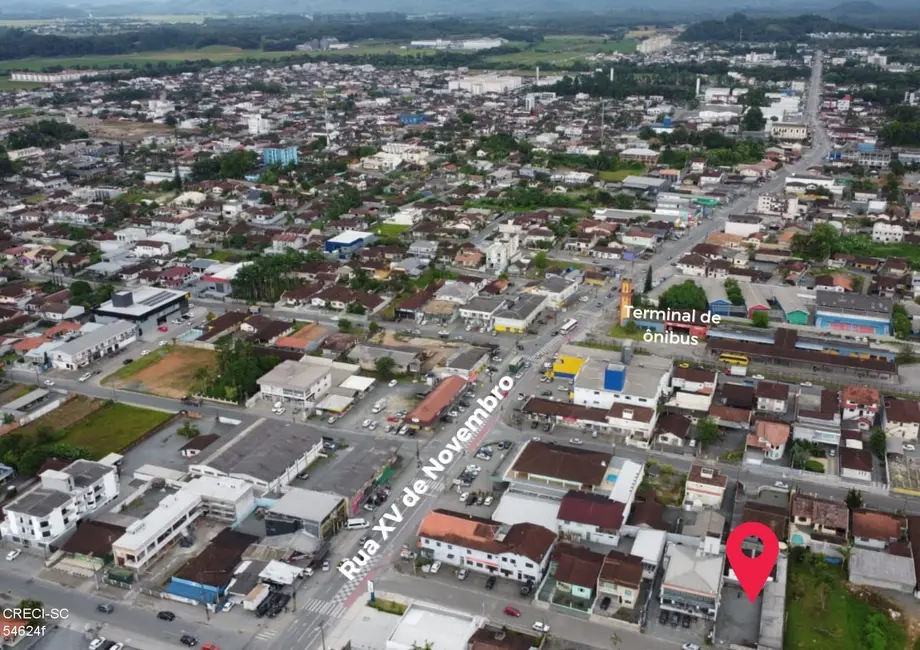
column 439, row 544
column 529, row 565
column 450, row 556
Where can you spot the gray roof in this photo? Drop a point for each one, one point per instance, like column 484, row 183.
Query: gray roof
column 93, row 338
column 466, row 358
column 87, row 472
column 38, row 503
column 306, row 505
column 854, row 302
column 523, row 308
column 356, row 467
column 876, row 566
column 484, row 304
column 688, row 571
column 643, row 381
column 265, row 452
column 293, row 375
column 402, row 355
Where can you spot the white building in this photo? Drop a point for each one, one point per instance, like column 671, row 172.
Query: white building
column 381, row 162
column 65, row 496
column 886, row 233
column 485, row 84
column 501, row 253
column 788, row 131
column 520, row 552
column 407, row 216
column 692, row 582
column 145, row 539
column 258, row 125
column 95, row 342
column 705, row 488
column 226, row 499
column 304, row 384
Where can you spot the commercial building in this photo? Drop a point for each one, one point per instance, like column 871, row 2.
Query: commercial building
column 553, row 470
column 601, row 385
column 437, row 402
column 144, row 540
column 853, row 313
column 269, row 456
column 520, row 315
column 520, row 552
column 223, row 498
column 145, row 307
column 303, row 384
column 485, row 84
column 465, row 363
column 219, row 277
column 319, row 514
column 441, row 628
column 346, row 243
column 95, row 341
column 360, row 473
column 39, row 517
column 692, row 582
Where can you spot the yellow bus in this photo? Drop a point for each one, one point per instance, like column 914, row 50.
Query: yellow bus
column 733, row 359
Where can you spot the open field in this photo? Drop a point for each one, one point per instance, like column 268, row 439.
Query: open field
column 168, row 371
column 823, row 612
column 112, row 428
column 619, row 175
column 560, row 49
column 12, row 392
column 67, row 415
column 391, row 229
column 8, row 84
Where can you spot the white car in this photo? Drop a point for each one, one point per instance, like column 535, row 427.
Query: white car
column 909, row 448
column 227, row 606
column 392, row 383
column 12, row 555
column 462, row 573
column 144, row 353
column 540, row 627
column 326, row 565
column 85, row 376
column 689, row 646
column 372, row 426
column 781, row 485
column 435, row 567
column 117, row 646
column 536, row 439
column 163, row 343
column 488, row 501
column 464, row 496
column 520, row 375
column 48, row 383
column 98, row 642
column 575, row 441
column 366, row 424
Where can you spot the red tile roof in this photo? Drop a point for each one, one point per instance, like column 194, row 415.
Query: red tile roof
column 592, row 509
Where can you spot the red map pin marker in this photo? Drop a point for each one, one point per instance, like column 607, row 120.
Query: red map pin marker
column 752, row 572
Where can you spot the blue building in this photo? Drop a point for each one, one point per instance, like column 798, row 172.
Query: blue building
column 278, row 156
column 348, row 242
column 412, row 119
column 847, row 312
column 204, row 578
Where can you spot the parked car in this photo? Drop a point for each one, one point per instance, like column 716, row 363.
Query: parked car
column 303, row 476
column 575, row 441
column 490, row 583
column 675, row 619
column 127, row 362
column 540, row 627
column 392, row 383
column 105, row 608
column 97, row 643
column 435, row 567
column 906, row 448
column 12, row 555
column 166, row 615
column 366, row 424
column 689, row 646
column 332, row 420
column 227, row 606
column 48, row 383
column 144, row 353
column 462, row 573
column 686, row 621
column 526, row 589
column 163, row 328
column 605, row 604
column 781, row 485
column 663, row 617
column 488, row 501
column 325, row 565
column 511, row 611
column 85, row 376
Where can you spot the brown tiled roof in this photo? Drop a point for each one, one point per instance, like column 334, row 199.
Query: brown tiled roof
column 736, row 396
column 622, row 569
column 856, row 459
column 215, row 564
column 825, row 512
column 772, row 390
column 93, row 538
column 901, row 410
column 882, row 526
column 692, row 373
column 718, row 478
column 567, row 463
column 773, row 517
column 673, row 423
column 593, row 509
column 639, row 413
column 430, row 408
column 648, row 511
column 529, row 540
column 577, row 565
column 540, row 406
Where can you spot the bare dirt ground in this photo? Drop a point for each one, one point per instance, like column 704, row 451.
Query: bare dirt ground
column 174, row 375
column 129, row 131
column 436, row 351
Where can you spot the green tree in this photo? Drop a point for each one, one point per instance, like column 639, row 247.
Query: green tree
column 373, row 328
column 900, row 322
column 540, row 261
column 687, row 295
column 707, row 432
column 760, row 318
column 753, row 119
column 878, row 443
column 188, row 430
column 384, row 367
column 854, row 499
column 624, row 201
column 733, row 292
column 345, row 325
column 822, row 242
column 32, row 610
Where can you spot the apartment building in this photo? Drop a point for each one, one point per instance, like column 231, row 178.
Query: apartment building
column 692, row 582
column 144, row 540
column 95, row 343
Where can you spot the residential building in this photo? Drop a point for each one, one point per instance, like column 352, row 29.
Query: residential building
column 95, row 342
column 556, row 469
column 692, row 582
column 520, row 552
column 770, row 438
column 887, row 571
column 590, row 517
column 815, row 519
column 887, row 233
column 901, row 419
column 861, row 403
column 145, row 540
column 705, row 487
column 303, row 384
column 772, row 397
column 788, row 131
column 282, row 156
column 878, row 530
column 620, row 579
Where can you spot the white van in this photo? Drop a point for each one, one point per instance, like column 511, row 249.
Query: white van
column 354, row 524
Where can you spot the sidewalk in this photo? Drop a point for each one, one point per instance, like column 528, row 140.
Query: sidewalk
column 364, row 627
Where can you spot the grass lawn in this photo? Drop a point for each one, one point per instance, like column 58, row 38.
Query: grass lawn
column 560, row 49
column 619, row 332
column 823, row 613
column 112, row 428
column 391, row 229
column 8, row 84
column 138, row 365
column 17, row 111
column 64, row 416
column 217, row 53
column 619, row 175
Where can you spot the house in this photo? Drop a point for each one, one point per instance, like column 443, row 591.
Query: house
column 770, row 437
column 705, row 487
column 620, row 579
column 590, row 517
column 877, row 530
column 816, row 519
column 901, row 419
column 771, row 397
column 575, row 570
column 861, row 403
column 692, row 582
column 855, row 463
column 673, row 429
column 521, row 553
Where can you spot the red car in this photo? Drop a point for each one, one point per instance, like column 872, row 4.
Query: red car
column 511, row 611
column 163, row 328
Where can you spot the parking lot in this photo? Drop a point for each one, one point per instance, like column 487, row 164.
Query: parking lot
column 675, row 628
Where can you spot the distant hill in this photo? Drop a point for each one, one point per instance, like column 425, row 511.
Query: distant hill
column 739, row 27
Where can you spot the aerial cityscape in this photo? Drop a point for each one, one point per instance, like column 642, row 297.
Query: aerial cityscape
column 459, row 330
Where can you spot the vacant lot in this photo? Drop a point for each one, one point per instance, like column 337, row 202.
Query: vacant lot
column 562, row 49
column 64, row 416
column 824, row 612
column 169, row 371
column 11, row 392
column 112, row 428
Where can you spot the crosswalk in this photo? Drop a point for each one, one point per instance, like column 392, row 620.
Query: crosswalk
column 326, row 607
column 266, row 635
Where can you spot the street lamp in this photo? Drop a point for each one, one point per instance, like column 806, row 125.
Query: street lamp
column 322, row 634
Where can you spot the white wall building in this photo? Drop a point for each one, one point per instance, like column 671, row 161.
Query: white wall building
column 95, row 342
column 886, row 233
column 258, row 125
column 145, row 539
column 485, row 84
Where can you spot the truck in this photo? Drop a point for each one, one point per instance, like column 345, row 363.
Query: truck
column 255, row 598
column 516, row 364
